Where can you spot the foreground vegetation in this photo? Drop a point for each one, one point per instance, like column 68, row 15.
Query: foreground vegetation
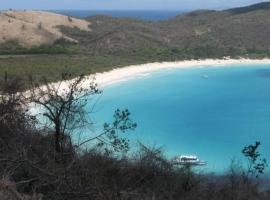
column 41, row 162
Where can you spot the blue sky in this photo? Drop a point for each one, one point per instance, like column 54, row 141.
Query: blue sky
column 124, row 4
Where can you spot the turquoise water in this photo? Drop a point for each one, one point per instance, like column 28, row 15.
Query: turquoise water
column 186, row 113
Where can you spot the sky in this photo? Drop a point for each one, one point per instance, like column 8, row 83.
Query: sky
column 123, row 4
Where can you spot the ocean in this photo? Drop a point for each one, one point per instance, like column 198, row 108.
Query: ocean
column 150, row 15
column 212, row 112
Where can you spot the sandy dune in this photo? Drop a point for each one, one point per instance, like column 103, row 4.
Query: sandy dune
column 35, row 28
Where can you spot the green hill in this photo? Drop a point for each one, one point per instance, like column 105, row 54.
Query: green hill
column 205, row 33
column 259, row 6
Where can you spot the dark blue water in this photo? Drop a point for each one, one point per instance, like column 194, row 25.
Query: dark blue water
column 137, row 14
column 183, row 112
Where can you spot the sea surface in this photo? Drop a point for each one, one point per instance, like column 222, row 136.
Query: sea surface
column 150, row 15
column 212, row 112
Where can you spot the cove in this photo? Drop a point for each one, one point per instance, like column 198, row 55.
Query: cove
column 209, row 111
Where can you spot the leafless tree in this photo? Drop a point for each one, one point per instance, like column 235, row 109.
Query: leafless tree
column 63, row 104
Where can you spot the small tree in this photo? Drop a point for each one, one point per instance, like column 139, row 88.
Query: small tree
column 256, row 164
column 70, row 19
column 109, row 137
column 39, row 25
column 6, row 77
column 64, row 105
column 23, row 27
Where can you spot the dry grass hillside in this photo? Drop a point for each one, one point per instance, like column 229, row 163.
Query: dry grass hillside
column 35, row 28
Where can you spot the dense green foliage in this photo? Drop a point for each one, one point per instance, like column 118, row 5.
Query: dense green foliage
column 12, row 47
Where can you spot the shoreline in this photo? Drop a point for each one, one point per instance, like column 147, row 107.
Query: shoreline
column 136, row 71
column 131, row 72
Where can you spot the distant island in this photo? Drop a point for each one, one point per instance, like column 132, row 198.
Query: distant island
column 46, row 44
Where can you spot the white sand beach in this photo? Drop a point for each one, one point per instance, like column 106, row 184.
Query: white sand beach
column 136, row 71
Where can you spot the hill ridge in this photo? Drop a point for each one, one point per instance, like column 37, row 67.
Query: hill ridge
column 250, row 8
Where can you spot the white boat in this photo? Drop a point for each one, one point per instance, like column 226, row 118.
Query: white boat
column 205, row 76
column 188, row 160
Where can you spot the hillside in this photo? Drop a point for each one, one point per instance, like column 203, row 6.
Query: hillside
column 243, row 30
column 206, row 33
column 100, row 43
column 35, row 28
column 258, row 6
